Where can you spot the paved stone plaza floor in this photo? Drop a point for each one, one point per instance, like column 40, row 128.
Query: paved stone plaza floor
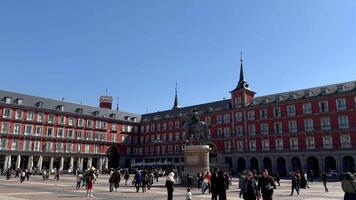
column 65, row 189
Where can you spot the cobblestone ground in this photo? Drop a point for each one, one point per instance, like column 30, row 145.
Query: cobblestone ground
column 65, row 189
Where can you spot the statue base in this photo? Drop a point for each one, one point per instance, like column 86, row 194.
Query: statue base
column 196, row 160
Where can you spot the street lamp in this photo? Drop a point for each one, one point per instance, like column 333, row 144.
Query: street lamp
column 156, row 142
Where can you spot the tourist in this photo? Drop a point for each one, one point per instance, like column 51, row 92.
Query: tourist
column 348, row 185
column 126, row 176
column 22, row 176
column 277, row 178
column 144, row 180
column 189, row 180
column 324, row 179
column 227, row 180
column 156, row 175
column 8, row 174
column 311, row 175
column 17, row 174
column 57, row 174
column 249, row 188
column 117, row 179
column 295, row 183
column 78, row 178
column 170, row 185
column 266, row 185
column 213, row 185
column 189, row 194
column 90, row 184
column 137, row 181
column 221, row 185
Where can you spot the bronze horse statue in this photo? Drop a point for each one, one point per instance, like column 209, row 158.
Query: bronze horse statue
column 194, row 128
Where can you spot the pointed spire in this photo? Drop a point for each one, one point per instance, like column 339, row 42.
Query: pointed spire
column 117, row 104
column 176, row 105
column 242, row 82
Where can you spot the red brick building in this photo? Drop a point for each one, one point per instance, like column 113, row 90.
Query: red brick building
column 306, row 129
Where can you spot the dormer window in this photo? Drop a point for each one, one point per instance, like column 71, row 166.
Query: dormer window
column 127, row 117
column 39, row 104
column 7, row 100
column 79, row 111
column 133, row 119
column 324, row 91
column 266, row 100
column 96, row 113
column 112, row 115
column 18, row 101
column 292, row 96
column 340, row 88
column 308, row 93
column 60, row 108
column 279, row 98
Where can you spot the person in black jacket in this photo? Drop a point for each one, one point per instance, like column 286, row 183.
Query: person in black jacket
column 266, row 185
column 170, row 185
column 221, row 185
column 214, row 175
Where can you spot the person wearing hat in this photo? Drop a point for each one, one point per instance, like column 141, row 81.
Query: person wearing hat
column 348, row 185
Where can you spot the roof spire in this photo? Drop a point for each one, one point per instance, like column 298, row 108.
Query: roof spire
column 242, row 82
column 117, row 104
column 176, row 105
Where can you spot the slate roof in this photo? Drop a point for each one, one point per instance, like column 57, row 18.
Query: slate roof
column 68, row 107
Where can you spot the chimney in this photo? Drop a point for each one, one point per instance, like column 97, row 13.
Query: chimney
column 105, row 102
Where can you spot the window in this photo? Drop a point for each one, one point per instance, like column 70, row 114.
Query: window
column 96, row 149
column 96, row 136
column 87, row 148
column 40, row 117
column 7, row 100
column 227, row 131
column 264, row 128
column 292, row 126
column 343, row 121
column 80, row 122
column 307, row 108
column 3, row 143
column 60, row 108
column 345, row 141
column 208, row 121
column 239, row 130
column 113, row 138
column 38, row 130
column 30, row 116
column 5, row 127
column 252, row 145
column 276, row 112
column 177, row 136
column 89, row 123
column 327, row 142
column 71, row 121
column 37, row 146
column 219, row 132
column 79, row 135
column 278, row 128
column 51, row 118
column 79, row 148
column 227, row 146
column 39, row 105
column 219, row 119
column 49, row 132
column 240, row 145
column 291, row 110
column 310, row 142
column 170, row 125
column 308, row 125
column 251, row 129
column 323, row 106
column 164, row 126
column 113, row 127
column 6, row 113
column 176, row 124
column 69, row 133
column 59, row 147
column 28, row 129
column 340, row 104
column 238, row 116
column 164, row 137
column 265, row 145
column 279, row 144
column 226, row 118
column 60, row 132
column 251, row 115
column 263, row 114
column 18, row 115
column 69, row 147
column 153, row 127
column 325, row 123
column 15, row 145
column 103, row 137
column 17, row 129
column 294, row 143
column 237, row 102
column 62, row 120
column 158, row 126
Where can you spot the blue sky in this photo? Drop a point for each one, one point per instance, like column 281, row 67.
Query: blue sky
column 138, row 49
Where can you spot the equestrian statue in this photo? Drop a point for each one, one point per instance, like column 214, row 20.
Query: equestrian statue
column 194, row 128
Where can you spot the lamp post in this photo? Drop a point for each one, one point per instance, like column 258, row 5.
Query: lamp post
column 156, row 142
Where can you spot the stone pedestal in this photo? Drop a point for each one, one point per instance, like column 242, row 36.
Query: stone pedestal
column 196, row 160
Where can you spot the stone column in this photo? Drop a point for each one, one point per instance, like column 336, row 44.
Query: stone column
column 338, row 159
column 286, row 158
column 100, row 164
column 30, row 162
column 89, row 163
column 39, row 163
column 80, row 163
column 51, row 163
column 322, row 163
column 248, row 163
column 61, row 164
column 274, row 165
column 106, row 167
column 18, row 161
column 234, row 164
column 260, row 164
column 6, row 163
column 71, row 163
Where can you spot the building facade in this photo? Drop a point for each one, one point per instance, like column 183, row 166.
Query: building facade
column 310, row 129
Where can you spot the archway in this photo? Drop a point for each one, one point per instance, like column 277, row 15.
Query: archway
column 24, row 162
column 113, row 157
column 296, row 164
column 348, row 164
column 281, row 166
column 212, row 154
column 330, row 163
column 241, row 165
column 313, row 164
column 254, row 164
column 267, row 164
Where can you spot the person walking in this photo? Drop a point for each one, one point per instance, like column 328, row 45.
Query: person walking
column 266, row 185
column 137, row 180
column 126, row 176
column 311, row 175
column 348, row 185
column 295, row 183
column 22, row 176
column 213, row 185
column 324, row 178
column 221, row 185
column 117, row 179
column 188, row 196
column 249, row 188
column 57, row 174
column 111, row 182
column 170, row 185
column 78, row 178
column 90, row 184
column 278, row 178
